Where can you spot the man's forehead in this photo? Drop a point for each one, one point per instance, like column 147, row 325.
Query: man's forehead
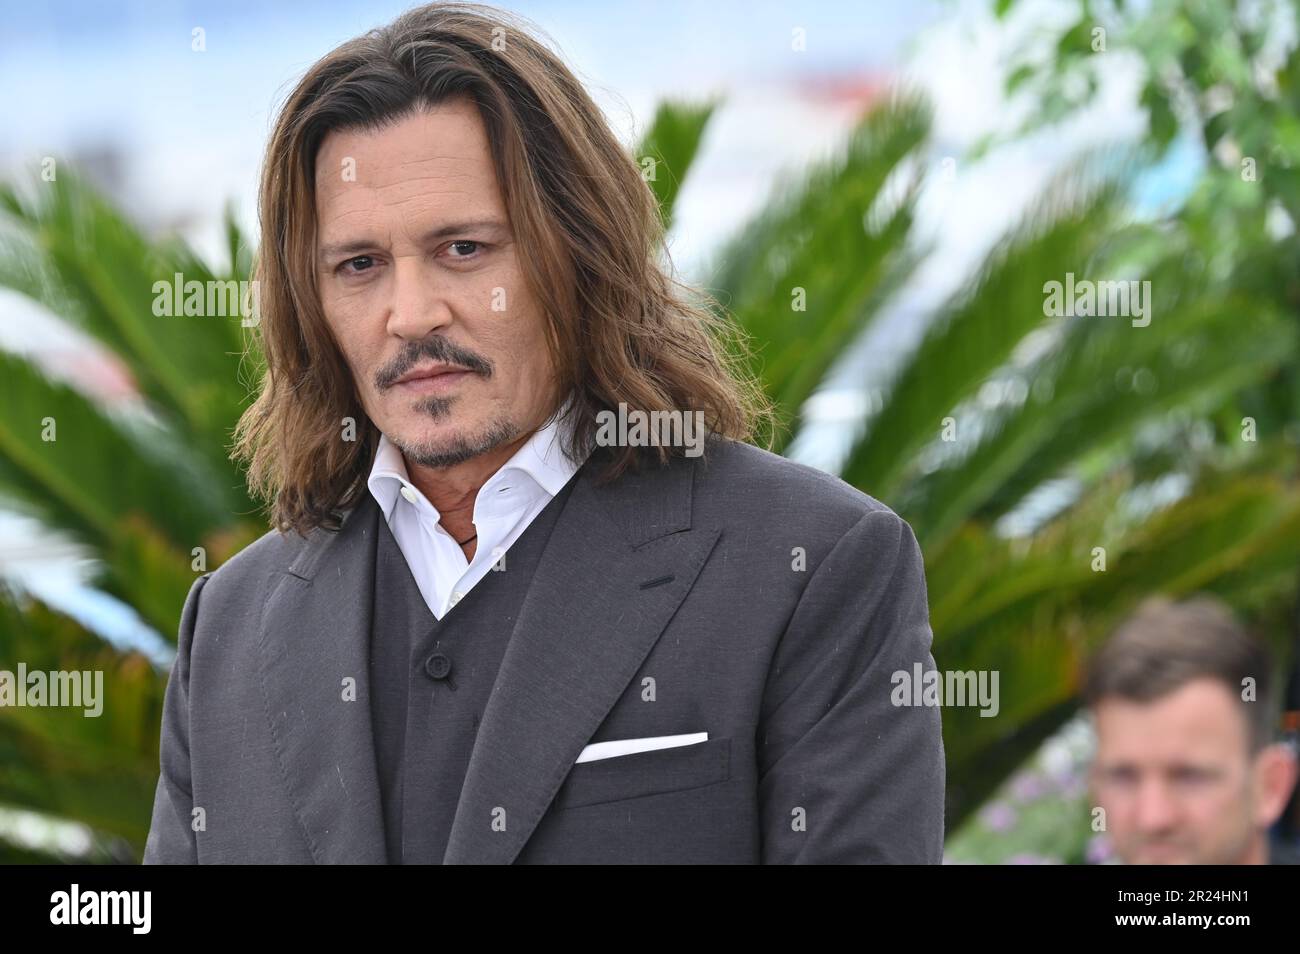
column 437, row 194
column 446, row 148
column 1168, row 725
column 391, row 177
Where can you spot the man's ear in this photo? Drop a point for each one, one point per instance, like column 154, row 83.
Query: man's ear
column 1275, row 777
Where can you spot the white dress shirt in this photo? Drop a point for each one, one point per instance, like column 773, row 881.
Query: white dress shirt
column 506, row 504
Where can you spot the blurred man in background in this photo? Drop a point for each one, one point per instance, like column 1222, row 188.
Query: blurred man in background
column 1187, row 768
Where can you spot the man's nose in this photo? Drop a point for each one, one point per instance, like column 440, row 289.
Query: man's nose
column 419, row 304
column 1157, row 809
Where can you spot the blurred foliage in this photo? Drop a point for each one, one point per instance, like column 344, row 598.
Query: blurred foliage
column 669, row 147
column 1222, row 79
column 1217, row 82
column 98, row 769
column 145, row 485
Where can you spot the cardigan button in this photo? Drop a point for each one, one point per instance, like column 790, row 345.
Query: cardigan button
column 437, row 666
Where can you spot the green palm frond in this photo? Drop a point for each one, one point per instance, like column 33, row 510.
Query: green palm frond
column 65, row 247
column 115, row 486
column 99, row 769
column 978, row 331
column 1105, row 380
column 807, row 275
column 669, row 147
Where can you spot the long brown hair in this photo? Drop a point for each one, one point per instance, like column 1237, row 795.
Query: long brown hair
column 620, row 327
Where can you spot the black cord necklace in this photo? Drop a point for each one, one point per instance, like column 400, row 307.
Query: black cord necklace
column 463, row 542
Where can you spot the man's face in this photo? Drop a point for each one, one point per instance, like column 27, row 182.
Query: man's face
column 1176, row 778
column 417, row 266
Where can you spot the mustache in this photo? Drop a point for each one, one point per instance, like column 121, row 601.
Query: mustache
column 435, row 349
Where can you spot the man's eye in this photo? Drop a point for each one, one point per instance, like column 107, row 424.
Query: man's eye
column 363, row 261
column 1120, row 776
column 475, row 246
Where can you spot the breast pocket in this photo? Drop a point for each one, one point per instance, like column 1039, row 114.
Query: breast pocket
column 646, row 773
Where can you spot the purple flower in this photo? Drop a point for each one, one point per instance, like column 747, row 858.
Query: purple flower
column 1074, row 786
column 1026, row 787
column 1099, row 850
column 998, row 816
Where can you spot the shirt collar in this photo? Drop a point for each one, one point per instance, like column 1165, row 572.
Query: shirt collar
column 542, row 459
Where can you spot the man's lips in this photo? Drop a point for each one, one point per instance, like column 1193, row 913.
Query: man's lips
column 432, row 380
column 419, row 374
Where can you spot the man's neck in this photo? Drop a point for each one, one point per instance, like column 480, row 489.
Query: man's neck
column 453, row 490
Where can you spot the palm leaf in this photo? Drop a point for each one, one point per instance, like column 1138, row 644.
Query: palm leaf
column 668, row 149
column 977, row 333
column 833, row 240
column 99, row 769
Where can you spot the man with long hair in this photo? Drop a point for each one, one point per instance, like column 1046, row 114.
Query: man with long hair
column 501, row 616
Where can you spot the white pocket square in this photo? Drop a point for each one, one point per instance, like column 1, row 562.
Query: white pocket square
column 604, row 750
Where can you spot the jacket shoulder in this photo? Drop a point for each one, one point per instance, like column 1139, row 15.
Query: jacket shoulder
column 271, row 551
column 775, row 488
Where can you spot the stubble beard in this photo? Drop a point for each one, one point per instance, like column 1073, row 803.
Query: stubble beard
column 457, row 450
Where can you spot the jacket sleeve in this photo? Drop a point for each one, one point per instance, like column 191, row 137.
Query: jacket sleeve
column 845, row 775
column 171, row 838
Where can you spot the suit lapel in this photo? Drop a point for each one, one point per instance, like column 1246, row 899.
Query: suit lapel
column 619, row 562
column 315, row 634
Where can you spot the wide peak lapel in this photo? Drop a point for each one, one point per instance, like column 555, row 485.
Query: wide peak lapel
column 314, row 646
column 619, row 562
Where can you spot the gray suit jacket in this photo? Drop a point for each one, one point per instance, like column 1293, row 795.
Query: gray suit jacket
column 739, row 594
